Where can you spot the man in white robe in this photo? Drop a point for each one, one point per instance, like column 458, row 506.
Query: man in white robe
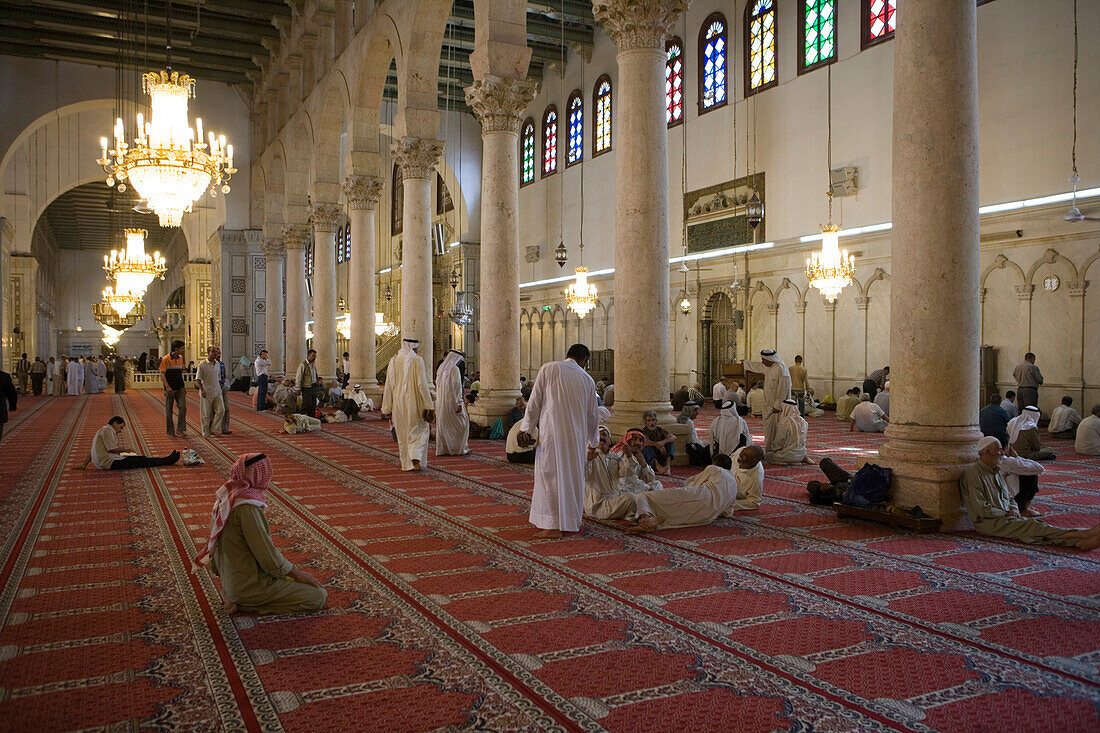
column 100, row 375
column 789, row 444
column 1087, row 442
column 452, row 422
column 705, row 497
column 729, row 431
column 603, row 496
column 74, row 376
column 635, row 474
column 748, row 469
column 563, row 407
column 867, row 417
column 89, row 376
column 408, row 401
column 777, row 387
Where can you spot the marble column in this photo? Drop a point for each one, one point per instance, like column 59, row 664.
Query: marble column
column 273, row 304
column 295, row 238
column 499, row 104
column 642, row 349
column 362, row 194
column 934, row 269
column 324, row 217
column 417, row 158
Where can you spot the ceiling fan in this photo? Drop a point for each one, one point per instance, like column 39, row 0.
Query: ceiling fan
column 1074, row 214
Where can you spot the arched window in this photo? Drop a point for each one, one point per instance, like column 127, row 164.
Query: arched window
column 576, row 128
column 876, row 21
column 601, row 118
column 347, row 241
column 338, row 245
column 309, row 260
column 760, row 59
column 713, row 47
column 397, row 201
column 816, row 34
column 550, row 141
column 674, row 81
column 527, row 153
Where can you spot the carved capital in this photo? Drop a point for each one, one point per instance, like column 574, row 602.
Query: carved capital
column 1077, row 288
column 773, row 309
column 863, row 302
column 273, row 248
column 416, row 156
column 499, row 103
column 830, row 307
column 1024, row 292
column 638, row 24
column 362, row 192
column 325, row 216
column 800, row 307
column 295, row 236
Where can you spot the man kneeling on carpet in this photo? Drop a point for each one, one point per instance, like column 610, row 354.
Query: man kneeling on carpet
column 989, row 503
column 256, row 578
column 107, row 451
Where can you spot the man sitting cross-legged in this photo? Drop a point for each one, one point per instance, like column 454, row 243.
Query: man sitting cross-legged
column 107, row 451
column 790, row 438
column 867, row 417
column 1064, row 420
column 256, row 578
column 635, row 474
column 658, row 444
column 604, row 498
column 705, row 497
column 989, row 503
column 1023, row 435
column 729, row 431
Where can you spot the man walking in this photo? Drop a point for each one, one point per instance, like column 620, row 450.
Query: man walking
column 22, row 374
column 408, row 400
column 262, row 365
column 208, row 378
column 171, row 378
column 1028, row 378
column 563, row 408
column 306, row 378
column 38, row 374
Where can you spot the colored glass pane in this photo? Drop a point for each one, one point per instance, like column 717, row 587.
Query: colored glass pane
column 576, row 129
column 714, row 64
column 603, row 117
column 761, row 44
column 528, row 173
column 674, row 84
column 819, row 27
column 550, row 142
column 880, row 18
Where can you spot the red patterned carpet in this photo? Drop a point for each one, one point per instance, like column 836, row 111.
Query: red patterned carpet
column 444, row 612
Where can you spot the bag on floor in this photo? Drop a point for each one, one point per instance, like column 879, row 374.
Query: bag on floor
column 870, row 485
column 190, row 458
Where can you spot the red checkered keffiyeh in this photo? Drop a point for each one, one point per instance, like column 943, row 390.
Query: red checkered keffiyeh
column 620, row 447
column 247, row 484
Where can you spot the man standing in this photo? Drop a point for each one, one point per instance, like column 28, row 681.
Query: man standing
column 225, row 396
column 59, row 376
column 23, row 374
column 171, row 378
column 75, row 377
column 407, row 399
column 209, row 381
column 345, row 370
column 798, row 384
column 452, row 427
column 306, row 378
column 51, row 376
column 38, row 374
column 777, row 387
column 262, row 364
column 563, row 407
column 8, row 398
column 1028, row 378
column 120, row 375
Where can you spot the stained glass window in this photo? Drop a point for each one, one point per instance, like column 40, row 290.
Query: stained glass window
column 817, row 34
column 550, row 141
column 309, row 260
column 601, row 98
column 527, row 153
column 713, row 48
column 877, row 23
column 397, row 202
column 674, row 82
column 760, row 61
column 576, row 129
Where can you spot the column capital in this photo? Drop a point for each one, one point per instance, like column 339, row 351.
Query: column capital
column 362, row 191
column 295, row 236
column 273, row 247
column 1024, row 292
column 294, row 60
column 416, row 156
column 862, row 302
column 500, row 103
column 638, row 24
column 1077, row 288
column 324, row 216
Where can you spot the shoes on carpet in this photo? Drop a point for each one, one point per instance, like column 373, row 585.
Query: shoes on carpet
column 171, row 458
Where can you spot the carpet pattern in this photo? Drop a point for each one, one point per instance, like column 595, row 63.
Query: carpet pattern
column 445, row 612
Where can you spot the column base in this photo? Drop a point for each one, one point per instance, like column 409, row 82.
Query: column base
column 492, row 405
column 368, row 385
column 927, row 462
column 627, row 414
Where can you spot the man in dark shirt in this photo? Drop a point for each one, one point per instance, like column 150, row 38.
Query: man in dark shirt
column 171, row 377
column 515, row 414
column 993, row 420
column 8, row 398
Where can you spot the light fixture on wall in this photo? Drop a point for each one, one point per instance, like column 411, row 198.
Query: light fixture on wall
column 169, row 163
column 831, row 269
column 133, row 269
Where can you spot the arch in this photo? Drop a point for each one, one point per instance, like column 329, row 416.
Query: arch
column 575, row 128
column 527, row 152
column 999, row 263
column 784, row 285
column 707, row 299
column 760, row 287
column 550, row 141
column 418, row 68
column 296, row 142
column 273, row 167
column 674, row 81
column 1050, row 257
column 325, row 163
column 365, row 109
column 761, row 33
column 602, row 115
column 1088, row 263
column 878, row 275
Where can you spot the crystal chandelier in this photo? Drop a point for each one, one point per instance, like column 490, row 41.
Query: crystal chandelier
column 169, row 164
column 110, row 335
column 581, row 296
column 830, row 270
column 343, row 325
column 131, row 268
column 121, row 302
column 105, row 315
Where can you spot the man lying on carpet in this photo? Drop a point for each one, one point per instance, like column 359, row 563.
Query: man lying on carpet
column 296, row 422
column 989, row 503
column 706, row 496
column 107, row 453
column 256, row 578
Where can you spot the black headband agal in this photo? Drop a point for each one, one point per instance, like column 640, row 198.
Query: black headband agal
column 254, row 459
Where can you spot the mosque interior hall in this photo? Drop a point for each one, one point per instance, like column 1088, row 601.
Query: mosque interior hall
column 265, row 263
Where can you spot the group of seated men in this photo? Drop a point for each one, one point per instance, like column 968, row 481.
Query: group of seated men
column 1021, row 432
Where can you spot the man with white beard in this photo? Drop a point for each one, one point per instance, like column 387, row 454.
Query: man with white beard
column 729, row 431
column 563, row 407
column 777, row 387
column 452, row 422
column 407, row 399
